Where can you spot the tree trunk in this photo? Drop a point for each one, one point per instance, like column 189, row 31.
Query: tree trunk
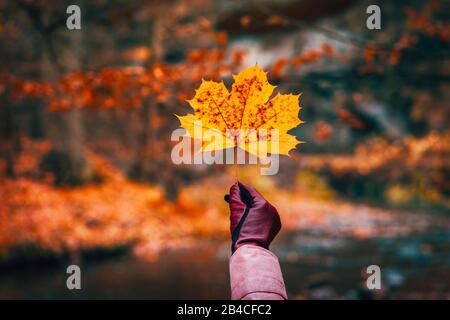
column 10, row 144
column 65, row 129
column 146, row 162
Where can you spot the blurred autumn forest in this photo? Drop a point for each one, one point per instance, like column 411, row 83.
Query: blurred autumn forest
column 86, row 118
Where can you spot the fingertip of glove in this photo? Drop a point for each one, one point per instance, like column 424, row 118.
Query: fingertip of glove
column 234, row 188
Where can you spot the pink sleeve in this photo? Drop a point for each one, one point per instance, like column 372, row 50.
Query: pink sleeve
column 255, row 274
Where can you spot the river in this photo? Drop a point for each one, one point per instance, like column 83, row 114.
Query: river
column 315, row 264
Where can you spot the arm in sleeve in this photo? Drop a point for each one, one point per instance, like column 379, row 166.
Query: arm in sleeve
column 255, row 274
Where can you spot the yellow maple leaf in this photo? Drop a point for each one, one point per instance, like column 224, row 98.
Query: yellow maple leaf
column 244, row 116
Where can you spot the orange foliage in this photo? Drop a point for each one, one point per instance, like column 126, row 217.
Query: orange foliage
column 322, row 131
column 313, row 55
column 349, row 118
column 422, row 21
column 369, row 53
column 415, row 21
column 277, row 69
column 222, row 38
column 126, row 87
column 112, row 213
column 245, row 21
column 429, row 151
column 274, row 21
column 137, row 54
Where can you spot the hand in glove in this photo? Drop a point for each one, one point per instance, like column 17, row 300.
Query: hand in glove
column 253, row 219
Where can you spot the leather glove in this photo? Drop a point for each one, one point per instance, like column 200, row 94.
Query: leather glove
column 253, row 220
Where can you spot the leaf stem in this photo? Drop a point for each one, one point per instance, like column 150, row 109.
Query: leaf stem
column 235, row 160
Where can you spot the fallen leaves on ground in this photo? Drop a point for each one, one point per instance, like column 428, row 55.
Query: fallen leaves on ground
column 113, row 213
